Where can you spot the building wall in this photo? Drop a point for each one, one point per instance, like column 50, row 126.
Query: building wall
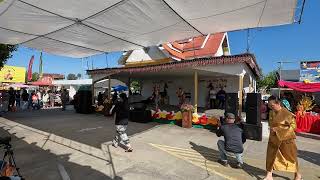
column 187, row 83
column 219, row 51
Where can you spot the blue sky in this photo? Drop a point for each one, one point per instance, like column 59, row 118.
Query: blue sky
column 294, row 42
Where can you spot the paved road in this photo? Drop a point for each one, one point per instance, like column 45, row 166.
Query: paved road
column 47, row 141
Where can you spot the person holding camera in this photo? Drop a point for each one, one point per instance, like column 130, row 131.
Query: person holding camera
column 234, row 139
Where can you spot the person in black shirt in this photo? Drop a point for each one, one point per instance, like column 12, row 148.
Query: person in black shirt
column 25, row 98
column 221, row 96
column 233, row 140
column 121, row 110
column 18, row 99
column 12, row 99
column 100, row 99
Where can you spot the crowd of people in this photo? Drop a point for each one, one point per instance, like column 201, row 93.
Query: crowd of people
column 13, row 100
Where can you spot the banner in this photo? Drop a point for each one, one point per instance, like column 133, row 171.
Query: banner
column 30, row 68
column 310, row 71
column 13, row 74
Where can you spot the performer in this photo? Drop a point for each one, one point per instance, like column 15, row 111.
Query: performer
column 212, row 97
column 181, row 96
column 282, row 148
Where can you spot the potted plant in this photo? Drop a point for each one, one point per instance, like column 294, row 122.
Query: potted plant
column 187, row 110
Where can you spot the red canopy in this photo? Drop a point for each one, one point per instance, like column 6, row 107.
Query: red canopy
column 300, row 86
column 44, row 81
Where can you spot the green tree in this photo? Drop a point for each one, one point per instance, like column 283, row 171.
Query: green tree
column 35, row 76
column 268, row 81
column 79, row 76
column 135, row 85
column 6, row 53
column 71, row 76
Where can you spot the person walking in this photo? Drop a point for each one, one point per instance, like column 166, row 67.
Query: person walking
column 25, row 97
column 35, row 101
column 64, row 99
column 18, row 99
column 39, row 97
column 121, row 113
column 282, row 147
column 100, row 99
column 51, row 98
column 45, row 99
column 12, row 99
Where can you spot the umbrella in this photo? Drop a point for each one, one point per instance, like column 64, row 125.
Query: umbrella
column 120, row 88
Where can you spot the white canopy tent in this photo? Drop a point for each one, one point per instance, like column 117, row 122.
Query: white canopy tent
column 80, row 28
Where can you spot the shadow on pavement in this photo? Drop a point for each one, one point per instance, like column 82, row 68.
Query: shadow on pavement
column 250, row 170
column 91, row 129
column 37, row 163
column 311, row 157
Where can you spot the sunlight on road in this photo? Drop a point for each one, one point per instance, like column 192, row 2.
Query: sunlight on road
column 77, row 152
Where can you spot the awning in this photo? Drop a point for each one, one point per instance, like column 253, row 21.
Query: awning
column 44, row 81
column 18, row 85
column 300, row 86
column 82, row 28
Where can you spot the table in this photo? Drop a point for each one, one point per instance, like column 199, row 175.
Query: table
column 308, row 123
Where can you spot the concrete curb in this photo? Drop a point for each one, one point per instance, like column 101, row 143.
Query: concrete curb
column 309, row 135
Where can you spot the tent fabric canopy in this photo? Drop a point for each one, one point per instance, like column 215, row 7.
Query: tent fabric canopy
column 300, row 86
column 79, row 28
column 44, row 81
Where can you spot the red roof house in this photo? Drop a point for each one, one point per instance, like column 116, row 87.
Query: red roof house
column 210, row 45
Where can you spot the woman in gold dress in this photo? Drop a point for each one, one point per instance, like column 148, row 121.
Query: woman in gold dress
column 282, row 148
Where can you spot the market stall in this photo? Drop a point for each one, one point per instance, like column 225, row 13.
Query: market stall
column 307, row 114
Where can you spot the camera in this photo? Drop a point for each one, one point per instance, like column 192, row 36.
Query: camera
column 5, row 140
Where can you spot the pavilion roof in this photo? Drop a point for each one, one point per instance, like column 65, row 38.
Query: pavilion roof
column 248, row 59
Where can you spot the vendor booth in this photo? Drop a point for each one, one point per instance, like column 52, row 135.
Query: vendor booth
column 307, row 114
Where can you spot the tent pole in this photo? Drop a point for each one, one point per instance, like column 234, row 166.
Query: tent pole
column 109, row 86
column 196, row 91
column 240, row 94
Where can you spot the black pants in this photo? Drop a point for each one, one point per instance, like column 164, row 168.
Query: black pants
column 212, row 103
column 221, row 104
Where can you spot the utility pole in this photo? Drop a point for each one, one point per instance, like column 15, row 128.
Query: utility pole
column 248, row 41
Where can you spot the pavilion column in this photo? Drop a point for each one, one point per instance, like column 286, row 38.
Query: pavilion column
column 196, row 91
column 109, row 86
column 240, row 93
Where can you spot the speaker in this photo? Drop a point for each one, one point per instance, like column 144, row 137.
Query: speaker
column 231, row 103
column 142, row 116
column 253, row 106
column 252, row 131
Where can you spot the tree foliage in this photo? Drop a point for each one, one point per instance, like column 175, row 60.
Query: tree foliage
column 71, row 76
column 79, row 76
column 35, row 76
column 135, row 85
column 268, row 81
column 6, row 53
